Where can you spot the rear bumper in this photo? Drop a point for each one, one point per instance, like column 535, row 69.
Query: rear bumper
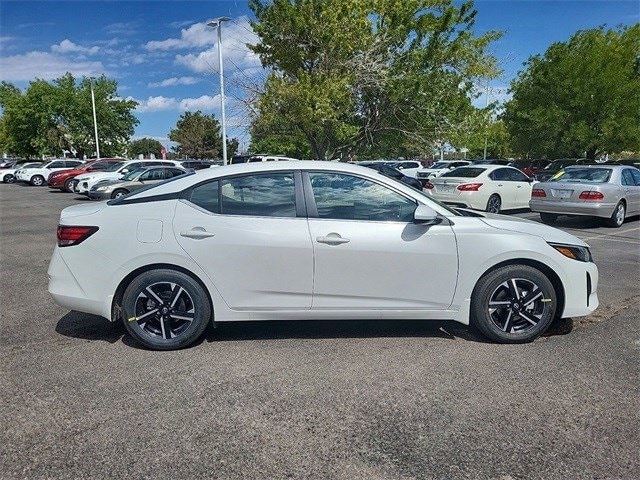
column 591, row 209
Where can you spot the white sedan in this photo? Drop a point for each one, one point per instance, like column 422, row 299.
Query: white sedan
column 38, row 175
column 311, row 240
column 492, row 188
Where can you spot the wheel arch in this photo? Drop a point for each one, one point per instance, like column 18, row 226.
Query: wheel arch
column 545, row 269
column 116, row 307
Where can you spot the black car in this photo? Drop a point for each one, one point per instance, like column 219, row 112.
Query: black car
column 556, row 165
column 196, row 164
column 391, row 172
column 491, row 161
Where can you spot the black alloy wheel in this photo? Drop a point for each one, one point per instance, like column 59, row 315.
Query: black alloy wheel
column 493, row 204
column 165, row 309
column 513, row 304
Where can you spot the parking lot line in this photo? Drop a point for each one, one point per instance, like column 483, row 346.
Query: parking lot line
column 614, row 237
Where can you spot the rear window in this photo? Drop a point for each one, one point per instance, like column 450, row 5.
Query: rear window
column 583, row 175
column 464, row 172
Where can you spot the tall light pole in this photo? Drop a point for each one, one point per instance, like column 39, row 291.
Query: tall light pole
column 218, row 23
column 486, row 136
column 95, row 122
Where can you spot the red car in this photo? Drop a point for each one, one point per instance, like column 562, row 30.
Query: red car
column 63, row 179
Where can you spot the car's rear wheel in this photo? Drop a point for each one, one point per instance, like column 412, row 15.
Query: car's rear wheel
column 548, row 217
column 618, row 215
column 493, row 204
column 513, row 304
column 119, row 193
column 9, row 178
column 37, row 180
column 68, row 185
column 165, row 309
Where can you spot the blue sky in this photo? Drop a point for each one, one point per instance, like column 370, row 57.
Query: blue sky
column 163, row 55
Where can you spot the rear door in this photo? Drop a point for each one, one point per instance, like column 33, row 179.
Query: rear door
column 507, row 189
column 250, row 234
column 369, row 255
column 523, row 187
column 631, row 185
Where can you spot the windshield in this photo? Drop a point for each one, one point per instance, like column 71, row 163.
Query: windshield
column 113, row 167
column 583, row 175
column 465, row 172
column 133, row 174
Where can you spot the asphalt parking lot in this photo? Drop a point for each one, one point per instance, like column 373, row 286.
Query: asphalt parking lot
column 317, row 400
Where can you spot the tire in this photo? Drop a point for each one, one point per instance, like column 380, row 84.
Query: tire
column 9, row 178
column 618, row 215
column 548, row 217
column 186, row 315
column 68, row 185
column 493, row 204
column 500, row 314
column 37, row 180
column 119, row 193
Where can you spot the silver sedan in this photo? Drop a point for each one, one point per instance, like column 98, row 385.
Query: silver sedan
column 611, row 192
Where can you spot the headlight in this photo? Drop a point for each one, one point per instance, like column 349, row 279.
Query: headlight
column 582, row 254
column 100, row 189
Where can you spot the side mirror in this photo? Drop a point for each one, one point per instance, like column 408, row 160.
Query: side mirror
column 531, row 179
column 425, row 215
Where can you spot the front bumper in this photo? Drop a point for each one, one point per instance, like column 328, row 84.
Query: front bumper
column 590, row 209
column 581, row 295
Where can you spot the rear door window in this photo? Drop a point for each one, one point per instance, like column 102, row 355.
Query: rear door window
column 259, row 195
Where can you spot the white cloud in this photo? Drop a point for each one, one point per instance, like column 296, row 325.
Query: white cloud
column 122, row 28
column 67, row 46
column 236, row 34
column 45, row 65
column 160, row 103
column 173, row 81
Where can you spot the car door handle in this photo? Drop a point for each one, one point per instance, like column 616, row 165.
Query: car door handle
column 519, row 186
column 197, row 232
column 500, row 185
column 332, row 239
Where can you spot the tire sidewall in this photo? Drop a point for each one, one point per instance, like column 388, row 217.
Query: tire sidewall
column 489, row 203
column 67, row 185
column 8, row 178
column 37, row 180
column 486, row 286
column 114, row 195
column 198, row 294
column 614, row 217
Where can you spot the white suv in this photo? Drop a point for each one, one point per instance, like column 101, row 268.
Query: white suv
column 88, row 180
column 439, row 168
column 38, row 175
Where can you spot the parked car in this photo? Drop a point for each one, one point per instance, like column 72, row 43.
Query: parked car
column 491, row 161
column 631, row 162
column 557, row 165
column 310, row 240
column 438, row 169
column 196, row 164
column 132, row 181
column 88, row 180
column 611, row 192
column 492, row 188
column 37, row 176
column 11, row 162
column 391, row 172
column 407, row 167
column 269, row 158
column 65, row 179
column 529, row 167
column 8, row 175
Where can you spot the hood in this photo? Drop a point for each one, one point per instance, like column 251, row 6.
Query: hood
column 81, row 210
column 529, row 227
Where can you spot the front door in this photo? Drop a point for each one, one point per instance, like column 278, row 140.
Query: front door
column 369, row 255
column 247, row 234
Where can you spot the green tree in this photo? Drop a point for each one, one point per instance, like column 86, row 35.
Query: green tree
column 354, row 76
column 580, row 97
column 199, row 136
column 50, row 117
column 145, row 146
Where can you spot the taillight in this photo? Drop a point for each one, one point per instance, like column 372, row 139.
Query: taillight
column 469, row 187
column 538, row 192
column 68, row 236
column 428, row 185
column 591, row 196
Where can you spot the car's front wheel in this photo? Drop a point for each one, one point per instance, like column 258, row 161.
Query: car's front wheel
column 37, row 180
column 165, row 309
column 119, row 193
column 513, row 304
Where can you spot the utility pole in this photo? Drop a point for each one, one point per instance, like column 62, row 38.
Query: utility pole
column 218, row 23
column 95, row 122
